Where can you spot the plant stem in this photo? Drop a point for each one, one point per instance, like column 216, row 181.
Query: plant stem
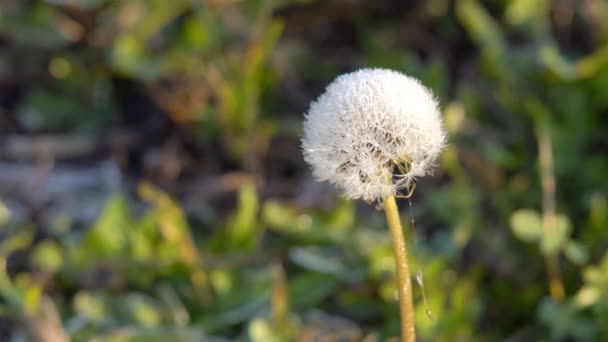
column 404, row 284
column 545, row 156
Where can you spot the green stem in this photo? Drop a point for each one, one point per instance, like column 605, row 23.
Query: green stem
column 404, row 284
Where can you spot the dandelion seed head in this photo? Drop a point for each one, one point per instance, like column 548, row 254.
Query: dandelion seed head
column 372, row 133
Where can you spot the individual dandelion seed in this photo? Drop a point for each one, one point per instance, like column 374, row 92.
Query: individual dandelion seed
column 372, row 133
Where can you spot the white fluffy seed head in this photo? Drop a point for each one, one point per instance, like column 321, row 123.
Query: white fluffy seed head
column 372, row 133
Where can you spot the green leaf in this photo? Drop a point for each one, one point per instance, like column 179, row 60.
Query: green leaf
column 308, row 290
column 261, row 330
column 48, row 256
column 143, row 310
column 576, row 252
column 527, row 225
column 564, row 320
column 92, row 306
column 238, row 306
column 38, row 27
column 587, row 295
column 108, row 235
column 481, row 26
column 243, row 230
column 8, row 290
column 528, row 13
column 304, row 227
column 172, row 224
column 323, row 261
column 32, row 298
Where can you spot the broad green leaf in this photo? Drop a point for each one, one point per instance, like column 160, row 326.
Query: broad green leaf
column 527, row 225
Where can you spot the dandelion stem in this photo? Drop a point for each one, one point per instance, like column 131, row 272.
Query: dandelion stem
column 404, row 284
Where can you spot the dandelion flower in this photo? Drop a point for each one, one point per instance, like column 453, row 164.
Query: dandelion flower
column 372, row 133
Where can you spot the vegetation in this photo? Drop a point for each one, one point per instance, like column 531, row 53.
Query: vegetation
column 152, row 186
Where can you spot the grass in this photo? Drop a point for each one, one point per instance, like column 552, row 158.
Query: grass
column 187, row 213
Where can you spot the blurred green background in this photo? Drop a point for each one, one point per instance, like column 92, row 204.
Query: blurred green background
column 152, row 186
